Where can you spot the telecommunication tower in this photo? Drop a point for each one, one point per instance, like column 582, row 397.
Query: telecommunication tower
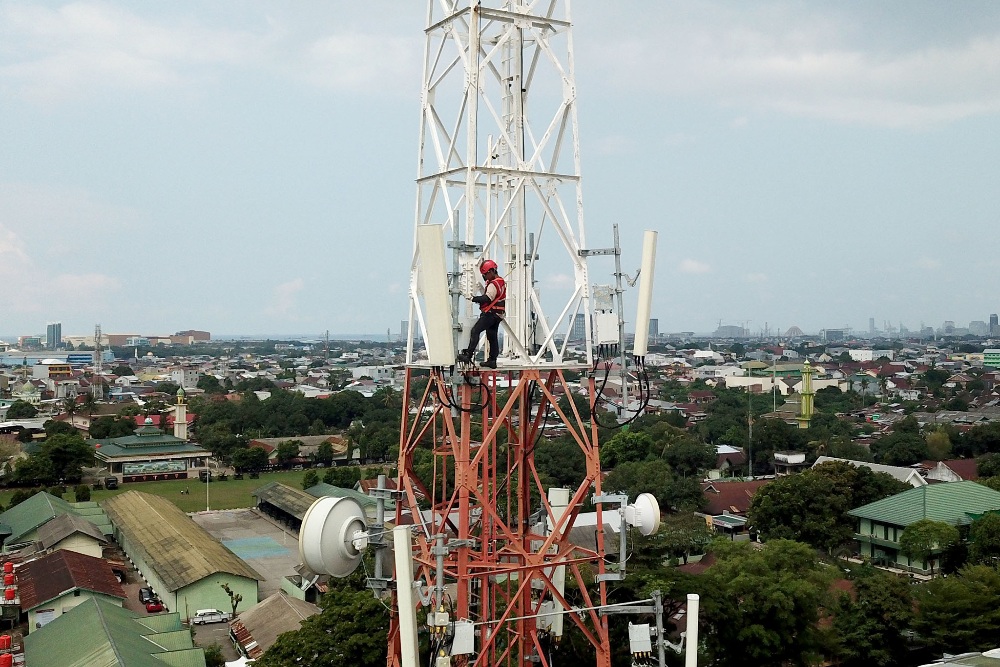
column 479, row 542
column 498, row 178
column 97, row 386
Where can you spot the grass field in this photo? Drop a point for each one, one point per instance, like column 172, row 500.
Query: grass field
column 221, row 495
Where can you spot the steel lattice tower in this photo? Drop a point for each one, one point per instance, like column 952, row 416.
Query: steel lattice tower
column 499, row 171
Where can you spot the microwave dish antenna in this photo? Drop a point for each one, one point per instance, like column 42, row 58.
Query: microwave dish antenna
column 333, row 536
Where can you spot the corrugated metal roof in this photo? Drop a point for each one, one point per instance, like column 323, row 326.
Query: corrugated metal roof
column 258, row 627
column 906, row 475
column 32, row 513
column 323, row 489
column 65, row 525
column 287, row 498
column 97, row 633
column 180, row 551
column 49, row 577
column 951, row 502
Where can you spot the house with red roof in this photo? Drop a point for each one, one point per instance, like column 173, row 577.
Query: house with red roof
column 726, row 503
column 952, row 470
column 50, row 586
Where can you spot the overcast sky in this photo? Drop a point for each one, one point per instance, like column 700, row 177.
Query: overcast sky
column 247, row 167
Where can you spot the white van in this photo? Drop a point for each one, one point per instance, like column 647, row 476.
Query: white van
column 203, row 616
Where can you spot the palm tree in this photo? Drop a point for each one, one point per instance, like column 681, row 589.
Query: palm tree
column 70, row 407
column 89, row 404
column 864, row 389
column 387, row 396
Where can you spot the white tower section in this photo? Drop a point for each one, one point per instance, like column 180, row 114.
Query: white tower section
column 499, row 170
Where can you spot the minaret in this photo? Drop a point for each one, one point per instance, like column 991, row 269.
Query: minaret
column 808, row 396
column 180, row 417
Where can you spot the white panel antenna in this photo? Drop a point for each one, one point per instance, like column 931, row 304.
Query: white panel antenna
column 645, row 294
column 432, row 284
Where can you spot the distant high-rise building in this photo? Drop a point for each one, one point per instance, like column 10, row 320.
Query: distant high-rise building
column 29, row 342
column 654, row 328
column 53, row 336
column 994, row 325
column 833, row 335
column 979, row 328
column 579, row 329
column 871, row 326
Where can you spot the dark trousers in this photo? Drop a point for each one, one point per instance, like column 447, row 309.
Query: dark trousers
column 490, row 323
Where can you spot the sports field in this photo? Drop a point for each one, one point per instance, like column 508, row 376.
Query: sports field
column 190, row 494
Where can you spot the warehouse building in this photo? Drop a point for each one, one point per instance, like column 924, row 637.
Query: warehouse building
column 183, row 564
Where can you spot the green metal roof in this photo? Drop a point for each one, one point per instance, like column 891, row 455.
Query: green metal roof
column 28, row 515
column 323, row 489
column 132, row 446
column 951, row 502
column 97, row 633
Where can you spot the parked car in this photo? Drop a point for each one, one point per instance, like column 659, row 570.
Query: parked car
column 146, row 594
column 203, row 616
column 154, row 606
column 111, row 483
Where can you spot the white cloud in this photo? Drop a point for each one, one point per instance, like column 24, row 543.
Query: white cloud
column 928, row 263
column 361, row 61
column 615, row 144
column 33, row 286
column 693, row 266
column 814, row 61
column 52, row 262
column 560, row 281
column 284, row 302
column 85, row 49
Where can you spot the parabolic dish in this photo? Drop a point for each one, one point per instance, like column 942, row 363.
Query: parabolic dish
column 645, row 514
column 327, row 535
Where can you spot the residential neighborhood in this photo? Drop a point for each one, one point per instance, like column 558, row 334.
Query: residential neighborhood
column 877, row 457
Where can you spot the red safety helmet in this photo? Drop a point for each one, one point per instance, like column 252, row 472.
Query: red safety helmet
column 487, row 266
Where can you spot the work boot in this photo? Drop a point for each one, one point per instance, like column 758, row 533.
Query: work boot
column 490, row 363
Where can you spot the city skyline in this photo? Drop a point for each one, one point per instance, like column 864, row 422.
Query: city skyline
column 772, row 330
column 250, row 167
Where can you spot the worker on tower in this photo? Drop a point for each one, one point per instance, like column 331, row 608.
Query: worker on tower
column 492, row 304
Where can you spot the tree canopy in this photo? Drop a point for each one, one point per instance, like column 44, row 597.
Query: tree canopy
column 961, row 612
column 871, row 625
column 812, row 506
column 21, row 410
column 762, row 606
column 924, row 539
column 352, row 630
